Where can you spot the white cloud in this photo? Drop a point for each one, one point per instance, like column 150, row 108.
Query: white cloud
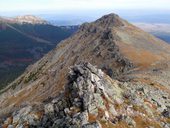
column 64, row 5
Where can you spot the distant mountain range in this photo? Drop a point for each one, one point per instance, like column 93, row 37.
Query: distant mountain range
column 77, row 18
column 26, row 19
column 25, row 39
column 141, row 18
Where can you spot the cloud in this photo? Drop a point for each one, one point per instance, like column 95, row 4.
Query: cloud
column 65, row 5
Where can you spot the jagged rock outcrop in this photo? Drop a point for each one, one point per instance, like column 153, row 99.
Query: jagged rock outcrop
column 108, row 41
column 91, row 99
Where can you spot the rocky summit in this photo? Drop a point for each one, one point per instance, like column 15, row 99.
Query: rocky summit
column 108, row 74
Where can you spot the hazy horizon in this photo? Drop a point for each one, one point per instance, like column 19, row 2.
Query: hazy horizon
column 74, row 12
column 22, row 7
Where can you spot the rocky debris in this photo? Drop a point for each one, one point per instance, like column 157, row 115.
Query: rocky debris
column 92, row 125
column 150, row 94
column 92, row 99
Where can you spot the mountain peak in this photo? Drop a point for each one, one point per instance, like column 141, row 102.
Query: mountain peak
column 105, row 23
column 25, row 19
column 110, row 20
column 29, row 19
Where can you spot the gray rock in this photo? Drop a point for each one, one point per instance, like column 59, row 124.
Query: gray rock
column 113, row 110
column 33, row 120
column 82, row 118
column 10, row 126
column 166, row 113
column 91, row 68
column 87, row 98
column 67, row 111
column 21, row 115
column 92, row 109
column 166, row 125
column 49, row 108
column 99, row 101
column 20, row 126
column 92, row 125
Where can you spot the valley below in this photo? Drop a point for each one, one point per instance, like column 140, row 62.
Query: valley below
column 160, row 30
column 22, row 44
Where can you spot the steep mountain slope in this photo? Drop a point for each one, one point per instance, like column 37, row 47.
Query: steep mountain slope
column 121, row 50
column 23, row 44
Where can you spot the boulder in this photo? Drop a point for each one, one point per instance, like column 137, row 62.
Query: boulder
column 166, row 113
column 92, row 125
column 49, row 108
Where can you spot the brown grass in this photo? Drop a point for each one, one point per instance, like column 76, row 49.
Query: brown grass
column 140, row 57
column 143, row 123
column 106, row 124
column 92, row 118
column 120, row 124
column 168, row 120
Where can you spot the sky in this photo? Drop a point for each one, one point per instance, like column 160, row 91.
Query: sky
column 63, row 6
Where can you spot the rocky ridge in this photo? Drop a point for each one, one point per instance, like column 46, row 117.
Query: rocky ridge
column 92, row 99
column 91, row 43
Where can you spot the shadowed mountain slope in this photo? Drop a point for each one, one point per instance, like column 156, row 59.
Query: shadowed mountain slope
column 23, row 44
